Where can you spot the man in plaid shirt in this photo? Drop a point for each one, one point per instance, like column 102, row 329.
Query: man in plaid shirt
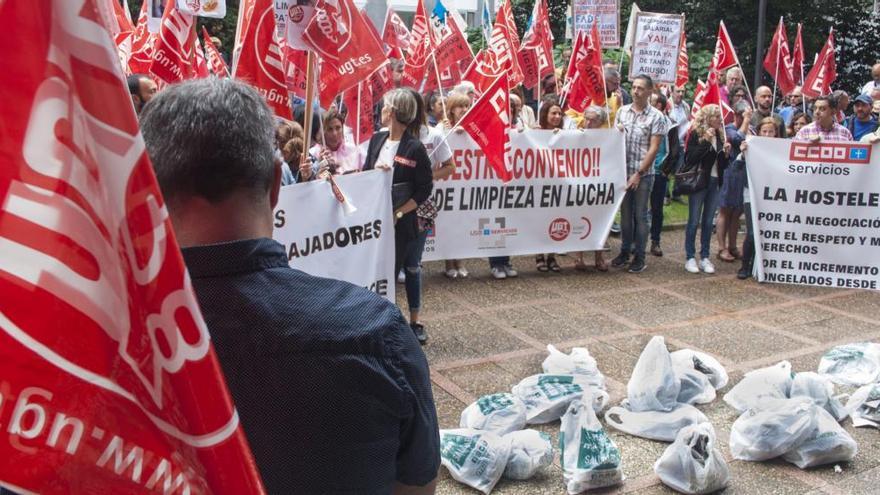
column 824, row 127
column 644, row 127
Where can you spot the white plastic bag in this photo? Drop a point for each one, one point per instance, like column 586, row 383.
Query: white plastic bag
column 703, row 363
column 771, row 431
column 852, row 364
column 474, row 457
column 820, row 390
column 654, row 425
column 547, row 396
column 589, row 458
column 864, row 406
column 757, row 386
column 828, row 443
column 530, row 451
column 692, row 464
column 578, row 362
column 499, row 413
column 653, row 385
column 694, row 386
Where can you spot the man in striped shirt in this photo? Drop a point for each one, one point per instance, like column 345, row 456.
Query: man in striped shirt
column 824, row 127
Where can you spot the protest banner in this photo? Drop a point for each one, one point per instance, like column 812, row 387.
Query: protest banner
column 606, row 12
column 321, row 240
column 565, row 189
column 657, row 42
column 203, row 8
column 109, row 380
column 816, row 212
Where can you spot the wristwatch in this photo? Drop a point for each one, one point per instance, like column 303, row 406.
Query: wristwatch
column 398, row 215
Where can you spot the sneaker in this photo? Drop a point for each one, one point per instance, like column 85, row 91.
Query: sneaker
column 655, row 249
column 420, row 332
column 638, row 265
column 510, row 272
column 498, row 273
column 401, row 277
column 691, row 266
column 452, row 273
column 462, row 272
column 620, row 260
column 707, row 266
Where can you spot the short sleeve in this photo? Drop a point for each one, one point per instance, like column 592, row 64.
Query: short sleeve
column 442, row 152
column 659, row 127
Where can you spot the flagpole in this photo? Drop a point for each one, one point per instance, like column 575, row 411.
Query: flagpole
column 803, row 100
column 439, row 82
column 310, row 96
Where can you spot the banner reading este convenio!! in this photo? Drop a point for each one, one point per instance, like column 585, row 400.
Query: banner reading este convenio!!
column 565, row 190
column 816, row 212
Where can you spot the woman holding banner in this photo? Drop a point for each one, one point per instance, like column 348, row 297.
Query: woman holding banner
column 706, row 155
column 340, row 157
column 457, row 104
column 396, row 149
column 595, row 117
column 550, row 116
column 768, row 127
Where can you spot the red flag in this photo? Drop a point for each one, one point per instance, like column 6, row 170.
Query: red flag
column 295, row 62
column 245, row 12
column 483, row 71
column 421, row 39
column 215, row 60
column 396, row 35
column 824, row 72
column 142, row 42
column 200, row 64
column 681, row 72
column 487, row 122
column 536, row 52
column 381, row 81
column 359, row 102
column 578, row 51
column 778, row 60
column 261, row 62
column 414, row 74
column 173, row 53
column 725, row 55
column 502, row 47
column 588, row 84
column 710, row 93
column 449, row 77
column 505, row 16
column 110, row 383
column 349, row 51
column 699, row 95
column 452, row 45
column 797, row 58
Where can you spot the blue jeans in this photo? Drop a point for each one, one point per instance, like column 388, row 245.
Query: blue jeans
column 499, row 261
column 412, row 269
column 701, row 209
column 634, row 218
column 658, row 195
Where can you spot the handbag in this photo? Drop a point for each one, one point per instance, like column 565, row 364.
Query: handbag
column 425, row 214
column 690, row 181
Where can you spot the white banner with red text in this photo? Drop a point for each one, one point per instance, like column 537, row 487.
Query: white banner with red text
column 565, row 191
column 321, row 239
column 816, row 212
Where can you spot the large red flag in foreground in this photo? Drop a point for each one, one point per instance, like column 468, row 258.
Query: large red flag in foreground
column 487, row 122
column 110, row 383
column 777, row 63
column 725, row 55
column 347, row 47
column 261, row 61
column 824, row 72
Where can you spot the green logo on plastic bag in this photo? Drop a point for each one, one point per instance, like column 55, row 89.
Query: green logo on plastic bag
column 555, row 379
column 495, row 402
column 457, row 448
column 596, row 451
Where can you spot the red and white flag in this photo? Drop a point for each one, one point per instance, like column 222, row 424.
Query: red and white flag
column 200, row 63
column 359, row 102
column 452, row 45
column 295, row 65
column 203, row 8
column 681, row 71
column 173, row 54
column 421, row 41
column 381, row 81
column 261, row 62
column 142, row 42
column 395, row 35
column 349, row 51
column 777, row 63
column 578, row 51
column 291, row 19
column 110, row 383
column 504, row 47
column 535, row 55
column 245, row 12
column 588, row 86
column 710, row 93
column 797, row 57
column 212, row 54
column 487, row 123
column 725, row 55
column 483, row 71
column 449, row 77
column 824, row 72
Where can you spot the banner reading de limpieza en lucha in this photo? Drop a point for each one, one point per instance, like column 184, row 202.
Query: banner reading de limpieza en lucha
column 816, row 212
column 565, row 190
column 321, row 240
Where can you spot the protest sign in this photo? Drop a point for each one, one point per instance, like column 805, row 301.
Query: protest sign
column 607, row 12
column 320, row 239
column 816, row 212
column 565, row 189
column 656, row 46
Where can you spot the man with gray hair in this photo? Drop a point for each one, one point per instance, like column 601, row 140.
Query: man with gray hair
column 331, row 386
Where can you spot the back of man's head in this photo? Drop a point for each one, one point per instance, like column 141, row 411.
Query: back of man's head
column 210, row 138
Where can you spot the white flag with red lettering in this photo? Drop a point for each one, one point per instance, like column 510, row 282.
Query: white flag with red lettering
column 487, row 122
column 109, row 381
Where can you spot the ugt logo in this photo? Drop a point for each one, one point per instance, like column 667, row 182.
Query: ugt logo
column 559, row 229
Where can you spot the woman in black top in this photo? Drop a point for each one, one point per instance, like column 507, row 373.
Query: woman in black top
column 412, row 184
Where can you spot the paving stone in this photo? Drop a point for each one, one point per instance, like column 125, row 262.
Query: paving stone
column 727, row 294
column 559, row 322
column 448, row 408
column 464, row 337
column 649, row 308
column 766, row 478
column 793, row 316
column 864, row 303
column 735, row 340
column 483, row 379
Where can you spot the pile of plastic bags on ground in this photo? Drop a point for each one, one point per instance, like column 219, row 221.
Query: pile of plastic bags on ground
column 663, row 388
column 795, row 416
column 852, row 364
